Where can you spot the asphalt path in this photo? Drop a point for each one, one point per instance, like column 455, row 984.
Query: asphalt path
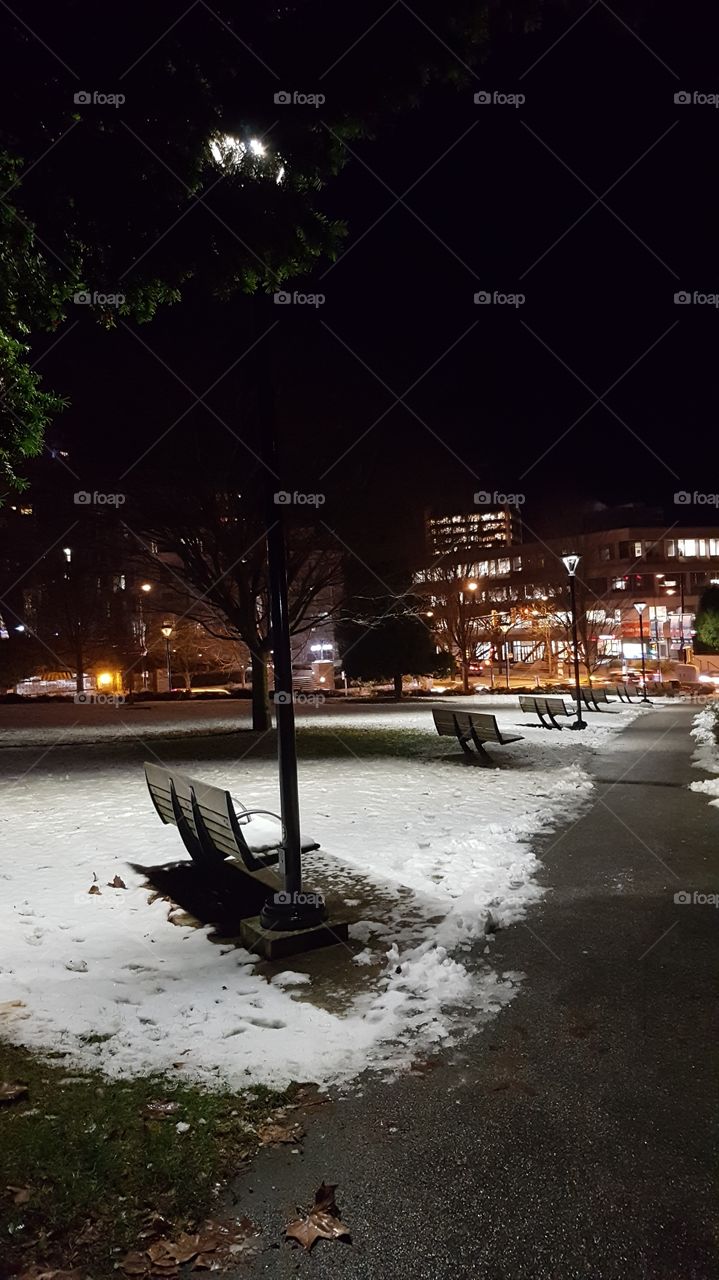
column 574, row 1136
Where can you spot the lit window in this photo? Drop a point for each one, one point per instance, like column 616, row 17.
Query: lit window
column 619, row 584
column 671, row 547
column 687, row 546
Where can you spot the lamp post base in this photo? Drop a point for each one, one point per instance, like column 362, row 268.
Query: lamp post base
column 284, row 912
column 578, row 724
column 274, row 944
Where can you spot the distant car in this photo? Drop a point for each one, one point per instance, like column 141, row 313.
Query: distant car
column 625, row 677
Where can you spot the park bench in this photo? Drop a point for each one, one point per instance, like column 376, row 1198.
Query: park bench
column 472, row 726
column 217, row 831
column 592, row 698
column 623, row 691
column 543, row 706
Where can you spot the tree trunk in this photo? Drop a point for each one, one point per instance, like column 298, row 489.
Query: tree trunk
column 398, row 685
column 261, row 718
column 465, row 677
column 79, row 664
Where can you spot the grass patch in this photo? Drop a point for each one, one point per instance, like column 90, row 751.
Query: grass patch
column 91, row 1165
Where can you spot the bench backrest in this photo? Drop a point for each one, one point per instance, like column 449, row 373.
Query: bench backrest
column 541, row 703
column 214, row 804
column 448, row 721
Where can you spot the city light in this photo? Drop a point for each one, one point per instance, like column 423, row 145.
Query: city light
column 104, row 679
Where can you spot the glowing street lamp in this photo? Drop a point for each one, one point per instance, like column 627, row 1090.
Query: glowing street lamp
column 640, row 607
column 166, row 630
column 570, row 563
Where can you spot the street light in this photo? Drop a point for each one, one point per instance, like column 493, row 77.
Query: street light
column 570, row 563
column 640, row 607
column 166, row 630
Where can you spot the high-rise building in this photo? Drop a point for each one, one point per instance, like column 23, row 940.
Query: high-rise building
column 485, row 526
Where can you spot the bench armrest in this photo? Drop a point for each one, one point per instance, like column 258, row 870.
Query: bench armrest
column 247, row 813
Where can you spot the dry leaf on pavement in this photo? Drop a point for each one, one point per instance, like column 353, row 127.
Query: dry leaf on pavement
column 273, row 1132
column 322, row 1221
column 211, row 1248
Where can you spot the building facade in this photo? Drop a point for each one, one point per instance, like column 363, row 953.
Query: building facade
column 667, row 570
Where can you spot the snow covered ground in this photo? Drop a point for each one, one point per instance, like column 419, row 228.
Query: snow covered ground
column 706, row 755
column 424, row 850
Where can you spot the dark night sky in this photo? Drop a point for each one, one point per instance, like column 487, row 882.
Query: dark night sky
column 497, row 410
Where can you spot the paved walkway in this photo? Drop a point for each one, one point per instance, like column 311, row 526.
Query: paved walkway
column 572, row 1138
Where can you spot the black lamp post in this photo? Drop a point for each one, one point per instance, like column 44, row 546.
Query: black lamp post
column 291, row 908
column 640, row 610
column 166, row 630
column 570, row 563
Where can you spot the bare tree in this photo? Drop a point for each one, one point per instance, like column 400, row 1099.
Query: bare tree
column 211, row 557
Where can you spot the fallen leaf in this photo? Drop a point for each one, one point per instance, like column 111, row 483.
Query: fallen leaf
column 322, row 1221
column 135, row 1264
column 94, row 889
column 271, row 1134
column 12, row 1092
column 183, row 919
column 160, row 1110
column 116, row 883
column 9, row 1006
column 20, row 1195
column 51, row 1275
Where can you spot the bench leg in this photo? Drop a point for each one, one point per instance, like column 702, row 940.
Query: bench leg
column 484, row 756
column 542, row 721
column 555, row 722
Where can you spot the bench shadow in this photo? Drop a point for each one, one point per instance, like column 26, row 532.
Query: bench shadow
column 222, row 903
